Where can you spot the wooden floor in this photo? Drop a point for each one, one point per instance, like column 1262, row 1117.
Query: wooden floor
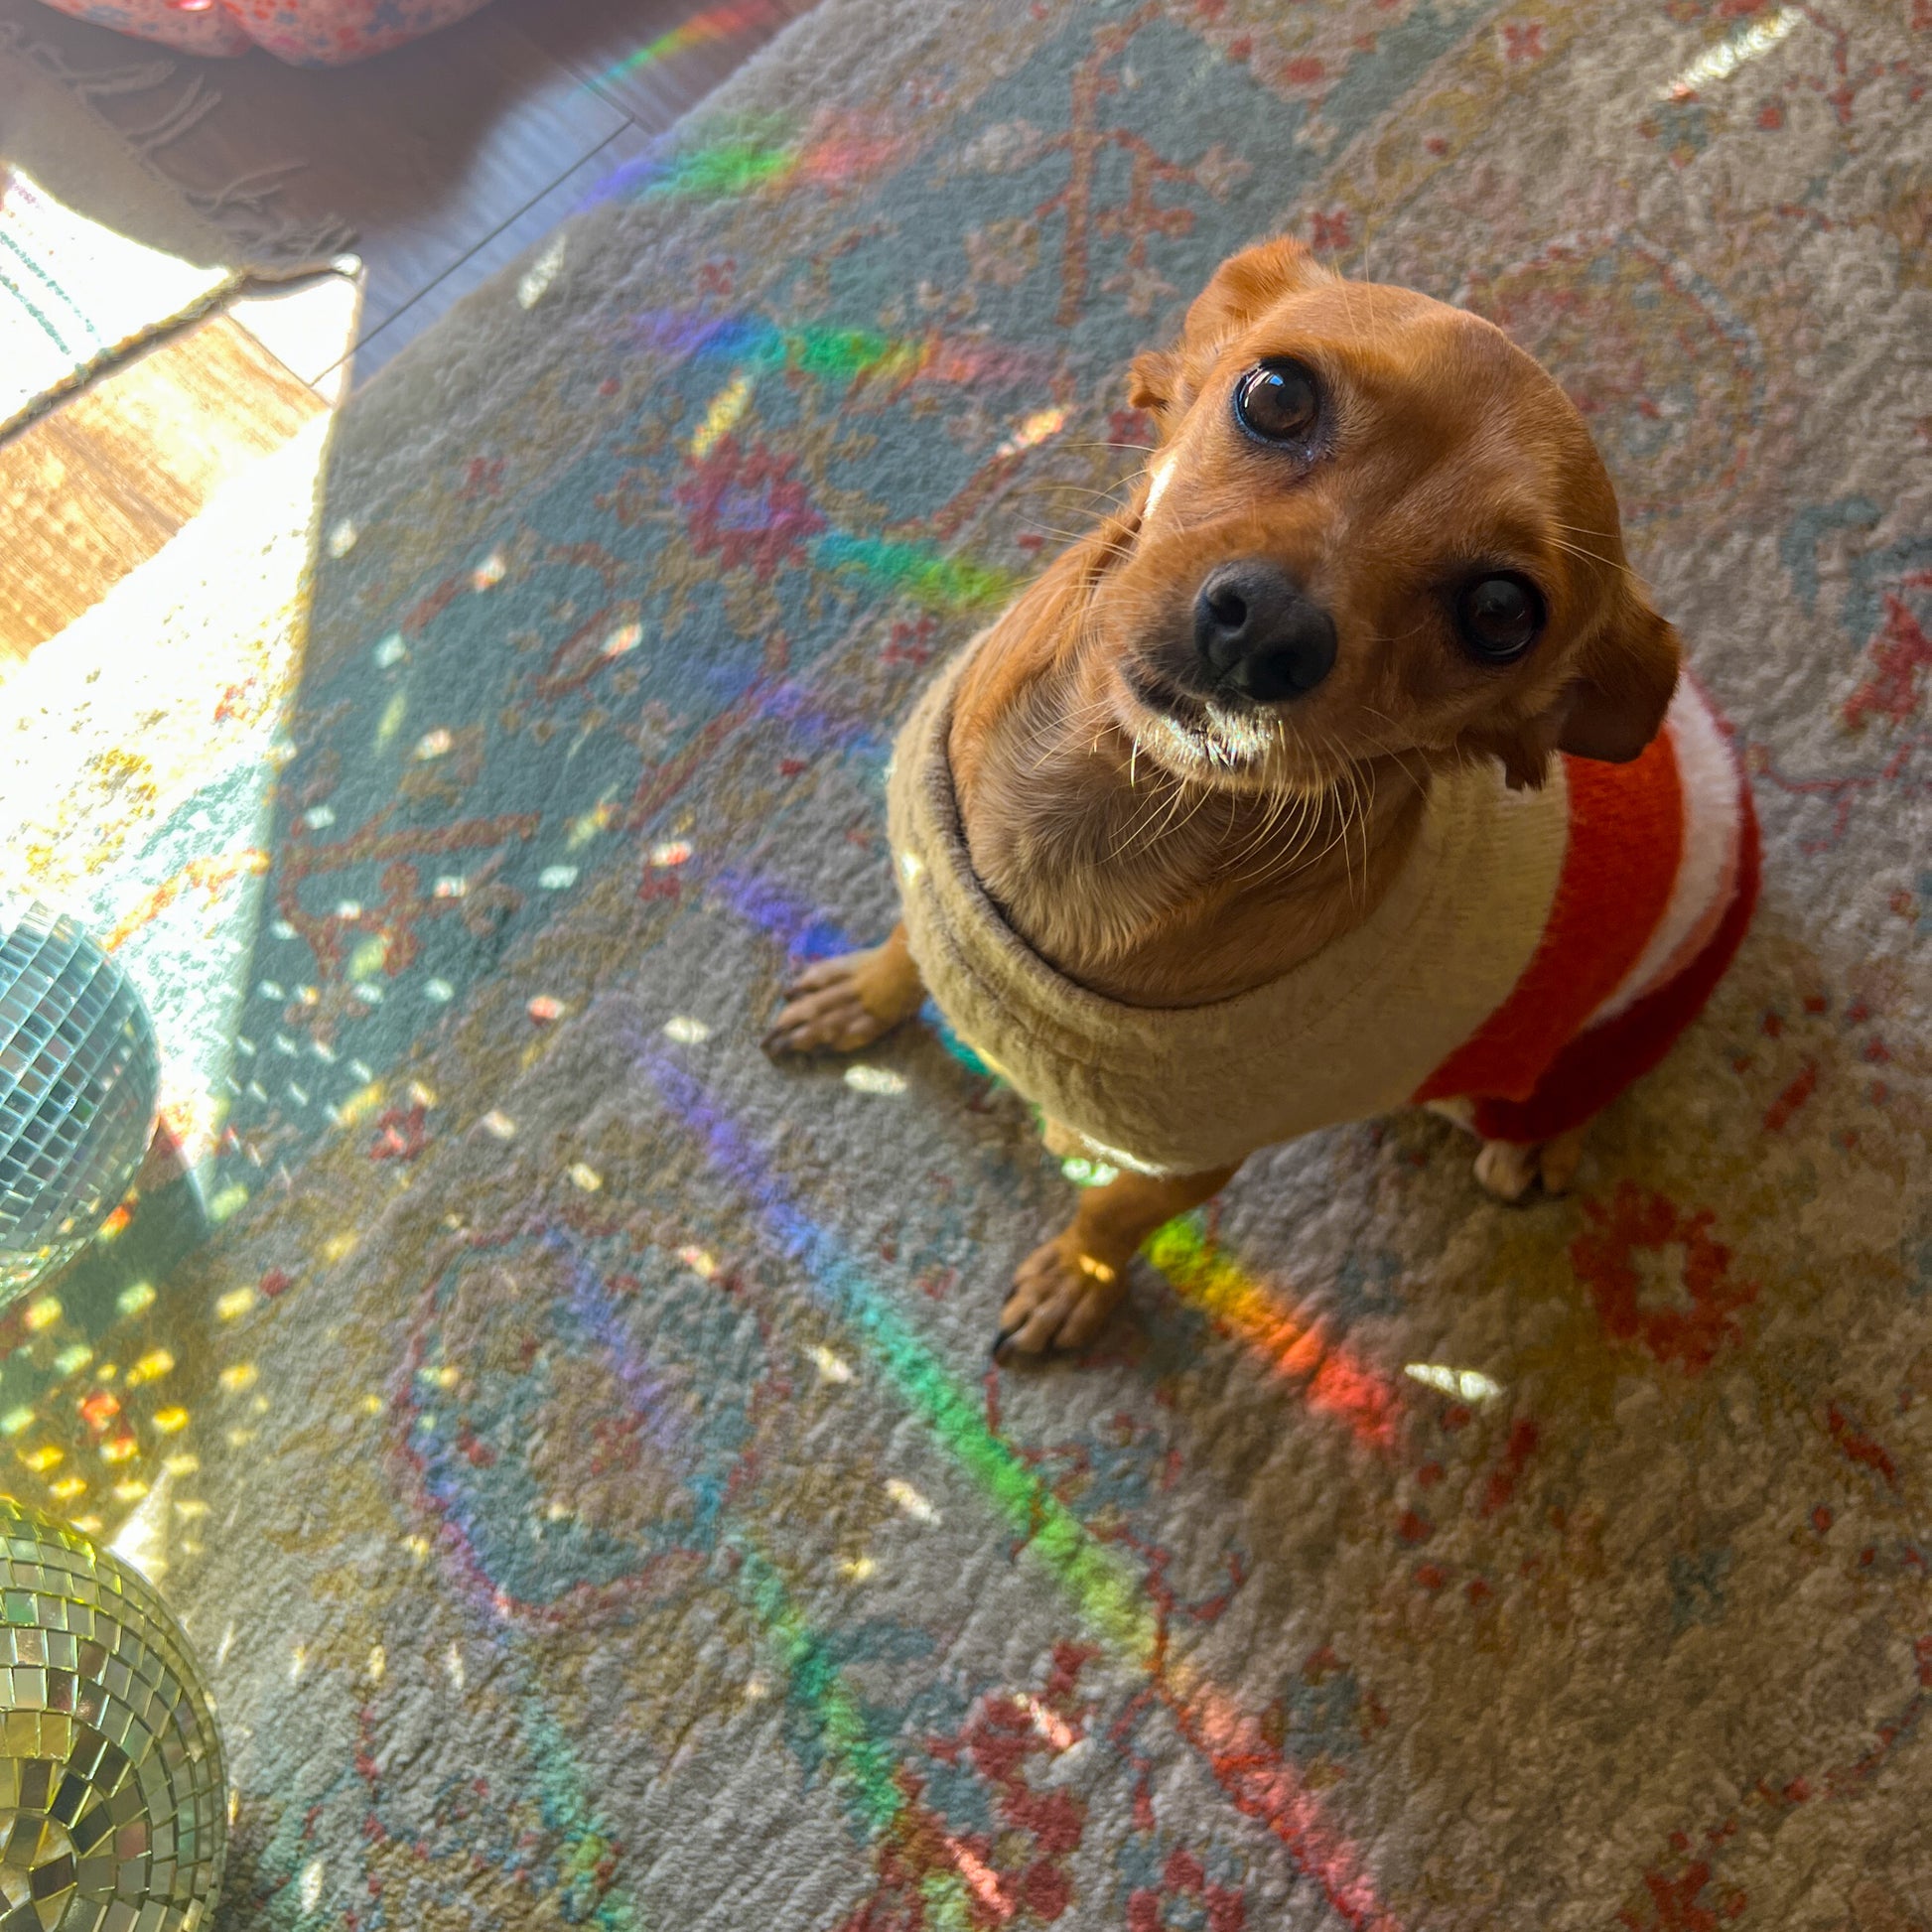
column 448, row 158
column 98, row 486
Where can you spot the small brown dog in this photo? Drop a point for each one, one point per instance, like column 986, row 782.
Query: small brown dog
column 1347, row 767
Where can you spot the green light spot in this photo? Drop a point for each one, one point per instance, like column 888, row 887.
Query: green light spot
column 863, row 1763
column 922, row 573
column 727, row 168
column 1183, row 1253
column 1088, row 1173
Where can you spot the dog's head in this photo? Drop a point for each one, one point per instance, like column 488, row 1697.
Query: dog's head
column 1372, row 528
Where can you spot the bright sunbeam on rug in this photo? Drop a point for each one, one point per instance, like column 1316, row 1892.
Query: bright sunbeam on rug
column 144, row 803
column 1465, row 1384
column 1751, row 41
column 143, row 800
column 704, row 1570
column 726, row 408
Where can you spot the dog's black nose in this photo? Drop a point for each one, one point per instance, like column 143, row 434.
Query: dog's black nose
column 1259, row 635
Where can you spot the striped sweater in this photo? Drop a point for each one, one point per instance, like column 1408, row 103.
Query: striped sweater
column 1536, row 953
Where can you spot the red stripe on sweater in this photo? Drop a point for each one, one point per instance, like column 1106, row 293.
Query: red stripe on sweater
column 1598, row 1066
column 1627, row 837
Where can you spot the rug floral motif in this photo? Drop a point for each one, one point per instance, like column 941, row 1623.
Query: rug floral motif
column 575, row 1450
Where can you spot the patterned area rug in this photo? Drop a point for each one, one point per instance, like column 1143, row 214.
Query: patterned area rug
column 575, row 1450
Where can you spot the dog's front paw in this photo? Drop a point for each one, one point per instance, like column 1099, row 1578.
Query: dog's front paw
column 847, row 1003
column 1062, row 1295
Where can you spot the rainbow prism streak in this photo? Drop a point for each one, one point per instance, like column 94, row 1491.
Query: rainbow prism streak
column 1097, row 1583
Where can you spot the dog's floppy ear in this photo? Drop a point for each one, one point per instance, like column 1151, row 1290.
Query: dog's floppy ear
column 1164, row 381
column 1615, row 705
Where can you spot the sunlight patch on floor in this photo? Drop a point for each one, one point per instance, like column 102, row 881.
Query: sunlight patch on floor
column 138, row 755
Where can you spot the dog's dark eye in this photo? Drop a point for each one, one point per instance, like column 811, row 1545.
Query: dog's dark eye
column 1500, row 617
column 1277, row 402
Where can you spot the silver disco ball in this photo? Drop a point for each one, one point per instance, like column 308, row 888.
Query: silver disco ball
column 79, row 1075
column 113, row 1793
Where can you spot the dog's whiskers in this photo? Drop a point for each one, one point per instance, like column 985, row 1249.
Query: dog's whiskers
column 1399, row 754
column 1591, row 556
column 1117, row 494
column 1052, row 530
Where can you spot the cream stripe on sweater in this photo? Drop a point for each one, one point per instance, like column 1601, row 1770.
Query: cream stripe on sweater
column 1348, row 1033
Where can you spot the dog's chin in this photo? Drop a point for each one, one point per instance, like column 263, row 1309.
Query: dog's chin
column 1205, row 743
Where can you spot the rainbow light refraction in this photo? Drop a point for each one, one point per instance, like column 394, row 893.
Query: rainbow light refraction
column 1105, row 1588
column 879, row 1797
column 729, row 167
column 1335, row 1381
column 1102, row 1590
column 714, row 24
column 733, row 164
column 906, row 567
column 882, row 1800
column 805, row 934
column 743, row 160
column 830, row 352
column 586, row 1846
column 815, row 1681
column 917, row 570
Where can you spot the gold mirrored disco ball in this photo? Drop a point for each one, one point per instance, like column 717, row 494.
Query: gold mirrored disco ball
column 79, row 1075
column 114, row 1794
